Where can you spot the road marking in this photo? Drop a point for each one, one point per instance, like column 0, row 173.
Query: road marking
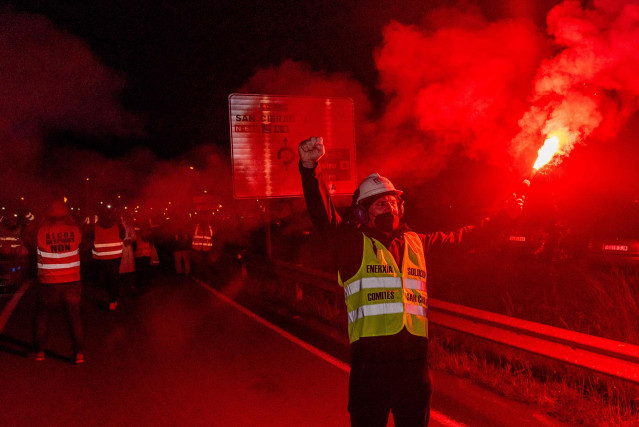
column 316, row 351
column 11, row 305
column 443, row 419
column 434, row 415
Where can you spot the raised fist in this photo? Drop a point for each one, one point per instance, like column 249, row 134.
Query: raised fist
column 514, row 205
column 311, row 150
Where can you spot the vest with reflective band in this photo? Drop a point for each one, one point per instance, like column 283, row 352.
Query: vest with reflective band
column 142, row 248
column 58, row 253
column 107, row 243
column 9, row 244
column 381, row 299
column 202, row 242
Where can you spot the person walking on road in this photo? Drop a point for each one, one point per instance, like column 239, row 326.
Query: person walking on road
column 202, row 242
column 381, row 265
column 58, row 277
column 127, row 261
column 143, row 249
column 182, row 242
column 108, row 236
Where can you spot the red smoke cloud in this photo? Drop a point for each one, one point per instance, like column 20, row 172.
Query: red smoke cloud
column 590, row 87
column 296, row 78
column 51, row 81
column 457, row 86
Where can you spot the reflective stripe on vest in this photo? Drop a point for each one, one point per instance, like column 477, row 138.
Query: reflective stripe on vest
column 107, row 243
column 142, row 248
column 381, row 299
column 202, row 242
column 58, row 254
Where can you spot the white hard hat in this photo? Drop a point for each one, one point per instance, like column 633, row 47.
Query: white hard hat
column 375, row 184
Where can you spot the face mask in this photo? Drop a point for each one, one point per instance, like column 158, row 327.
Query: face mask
column 386, row 222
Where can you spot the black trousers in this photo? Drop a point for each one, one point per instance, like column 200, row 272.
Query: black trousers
column 378, row 388
column 52, row 296
column 108, row 276
column 143, row 271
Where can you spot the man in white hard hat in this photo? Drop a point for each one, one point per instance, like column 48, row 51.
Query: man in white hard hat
column 381, row 265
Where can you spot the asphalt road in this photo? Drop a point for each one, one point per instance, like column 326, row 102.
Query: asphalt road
column 180, row 354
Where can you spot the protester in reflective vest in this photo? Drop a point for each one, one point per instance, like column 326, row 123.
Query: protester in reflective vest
column 59, row 276
column 202, row 237
column 58, row 248
column 381, row 264
column 107, row 251
column 143, row 249
column 11, row 231
column 107, row 243
column 402, row 292
column 142, row 245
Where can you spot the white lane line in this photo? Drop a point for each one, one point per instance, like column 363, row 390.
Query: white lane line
column 434, row 415
column 443, row 419
column 11, row 305
column 316, row 351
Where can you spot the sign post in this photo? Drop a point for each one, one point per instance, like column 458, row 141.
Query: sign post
column 265, row 132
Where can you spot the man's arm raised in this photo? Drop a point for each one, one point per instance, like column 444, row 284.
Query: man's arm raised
column 318, row 200
column 311, row 151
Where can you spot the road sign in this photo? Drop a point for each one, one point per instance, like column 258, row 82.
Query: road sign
column 265, row 132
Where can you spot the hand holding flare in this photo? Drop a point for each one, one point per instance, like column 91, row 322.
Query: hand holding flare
column 547, row 152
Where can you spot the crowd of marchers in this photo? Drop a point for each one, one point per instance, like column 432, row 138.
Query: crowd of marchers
column 59, row 253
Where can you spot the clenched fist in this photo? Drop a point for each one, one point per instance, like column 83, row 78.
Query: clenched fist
column 514, row 205
column 311, row 150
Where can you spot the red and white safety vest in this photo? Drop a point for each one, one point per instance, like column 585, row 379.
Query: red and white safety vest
column 107, row 243
column 202, row 239
column 58, row 253
column 142, row 247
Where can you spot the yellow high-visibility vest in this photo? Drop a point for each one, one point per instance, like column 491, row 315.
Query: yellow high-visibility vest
column 381, row 299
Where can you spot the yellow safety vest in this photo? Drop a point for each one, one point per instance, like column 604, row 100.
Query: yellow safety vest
column 381, row 299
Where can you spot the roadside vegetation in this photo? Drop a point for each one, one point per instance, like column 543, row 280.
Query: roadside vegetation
column 571, row 293
column 577, row 294
column 567, row 394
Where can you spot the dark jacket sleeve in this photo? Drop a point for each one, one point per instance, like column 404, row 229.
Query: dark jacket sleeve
column 343, row 239
column 318, row 200
column 469, row 236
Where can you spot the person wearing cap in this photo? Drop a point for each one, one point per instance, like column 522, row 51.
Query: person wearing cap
column 381, row 265
column 59, row 277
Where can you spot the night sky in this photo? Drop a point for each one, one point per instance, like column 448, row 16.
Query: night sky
column 182, row 59
column 448, row 85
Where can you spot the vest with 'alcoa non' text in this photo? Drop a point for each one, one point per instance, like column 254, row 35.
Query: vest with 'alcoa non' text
column 58, row 253
column 380, row 298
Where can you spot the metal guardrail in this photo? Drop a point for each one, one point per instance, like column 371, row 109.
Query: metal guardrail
column 613, row 358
